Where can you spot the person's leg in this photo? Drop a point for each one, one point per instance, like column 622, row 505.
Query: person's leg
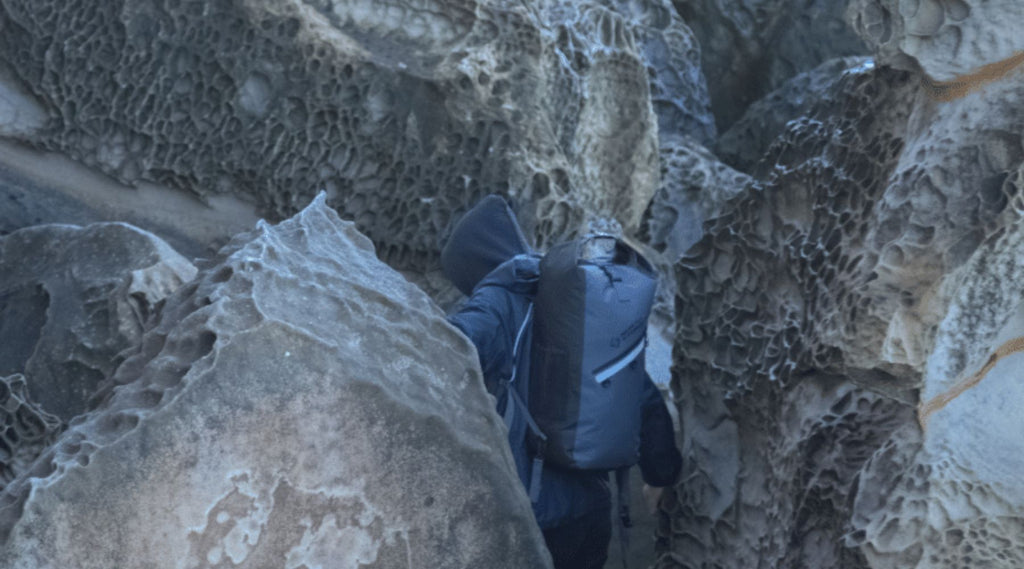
column 581, row 543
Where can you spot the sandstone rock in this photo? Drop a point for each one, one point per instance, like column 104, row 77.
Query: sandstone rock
column 951, row 41
column 73, row 300
column 670, row 50
column 855, row 265
column 751, row 47
column 405, row 115
column 746, row 141
column 695, row 187
column 299, row 404
column 20, row 113
column 25, row 429
column 953, row 496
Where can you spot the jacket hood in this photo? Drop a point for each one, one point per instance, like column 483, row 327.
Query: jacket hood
column 518, row 275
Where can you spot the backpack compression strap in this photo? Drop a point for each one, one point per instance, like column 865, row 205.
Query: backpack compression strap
column 625, row 522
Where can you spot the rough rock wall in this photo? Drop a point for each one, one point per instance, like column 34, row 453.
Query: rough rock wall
column 751, row 47
column 841, row 325
column 73, row 300
column 404, row 115
column 298, row 404
column 952, row 41
column 744, row 145
column 25, row 429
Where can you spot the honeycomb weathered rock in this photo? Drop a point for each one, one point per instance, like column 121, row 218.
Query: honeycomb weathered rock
column 747, row 140
column 299, row 404
column 73, row 303
column 406, row 113
column 857, row 259
column 948, row 39
column 25, row 429
column 751, row 47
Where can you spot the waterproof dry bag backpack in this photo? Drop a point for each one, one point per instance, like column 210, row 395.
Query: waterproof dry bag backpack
column 587, row 376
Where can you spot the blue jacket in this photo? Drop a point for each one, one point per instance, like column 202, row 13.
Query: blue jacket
column 492, row 318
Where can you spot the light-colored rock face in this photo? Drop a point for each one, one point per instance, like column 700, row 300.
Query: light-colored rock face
column 73, row 299
column 298, row 405
column 956, row 499
column 846, row 359
column 751, row 47
column 950, row 40
column 405, row 114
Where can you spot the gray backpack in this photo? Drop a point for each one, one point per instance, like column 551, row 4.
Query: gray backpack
column 587, row 373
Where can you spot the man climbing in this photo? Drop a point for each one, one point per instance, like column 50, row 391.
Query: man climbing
column 523, row 316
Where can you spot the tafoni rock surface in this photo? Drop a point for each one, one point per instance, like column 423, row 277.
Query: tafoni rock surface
column 749, row 48
column 847, row 266
column 849, row 329
column 74, row 300
column 299, row 404
column 406, row 116
column 25, row 429
column 746, row 143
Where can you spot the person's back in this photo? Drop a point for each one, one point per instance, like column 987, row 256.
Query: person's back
column 572, row 506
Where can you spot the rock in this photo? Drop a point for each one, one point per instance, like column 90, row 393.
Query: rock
column 751, row 47
column 298, row 404
column 26, row 429
column 826, row 302
column 670, row 50
column 695, row 187
column 953, row 496
column 405, row 116
column 20, row 113
column 73, row 300
column 959, row 44
column 747, row 140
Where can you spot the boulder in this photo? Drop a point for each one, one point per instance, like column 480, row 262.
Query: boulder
column 299, row 404
column 749, row 48
column 405, row 116
column 25, row 429
column 958, row 44
column 948, row 493
column 73, row 303
column 840, row 322
column 745, row 143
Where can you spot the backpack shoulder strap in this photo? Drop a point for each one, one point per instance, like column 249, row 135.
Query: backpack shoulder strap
column 515, row 402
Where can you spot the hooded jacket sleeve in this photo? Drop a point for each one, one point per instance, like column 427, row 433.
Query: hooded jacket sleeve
column 484, row 320
column 660, row 460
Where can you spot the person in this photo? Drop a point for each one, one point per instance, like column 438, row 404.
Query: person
column 573, row 507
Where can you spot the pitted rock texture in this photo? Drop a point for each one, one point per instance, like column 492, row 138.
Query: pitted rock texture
column 299, row 404
column 405, row 115
column 857, row 259
column 25, row 429
column 670, row 49
column 73, row 300
column 956, row 498
column 751, row 47
column 744, row 145
column 694, row 187
column 950, row 40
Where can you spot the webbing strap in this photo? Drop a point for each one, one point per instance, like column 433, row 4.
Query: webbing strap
column 518, row 344
column 625, row 522
column 510, row 409
column 925, row 409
